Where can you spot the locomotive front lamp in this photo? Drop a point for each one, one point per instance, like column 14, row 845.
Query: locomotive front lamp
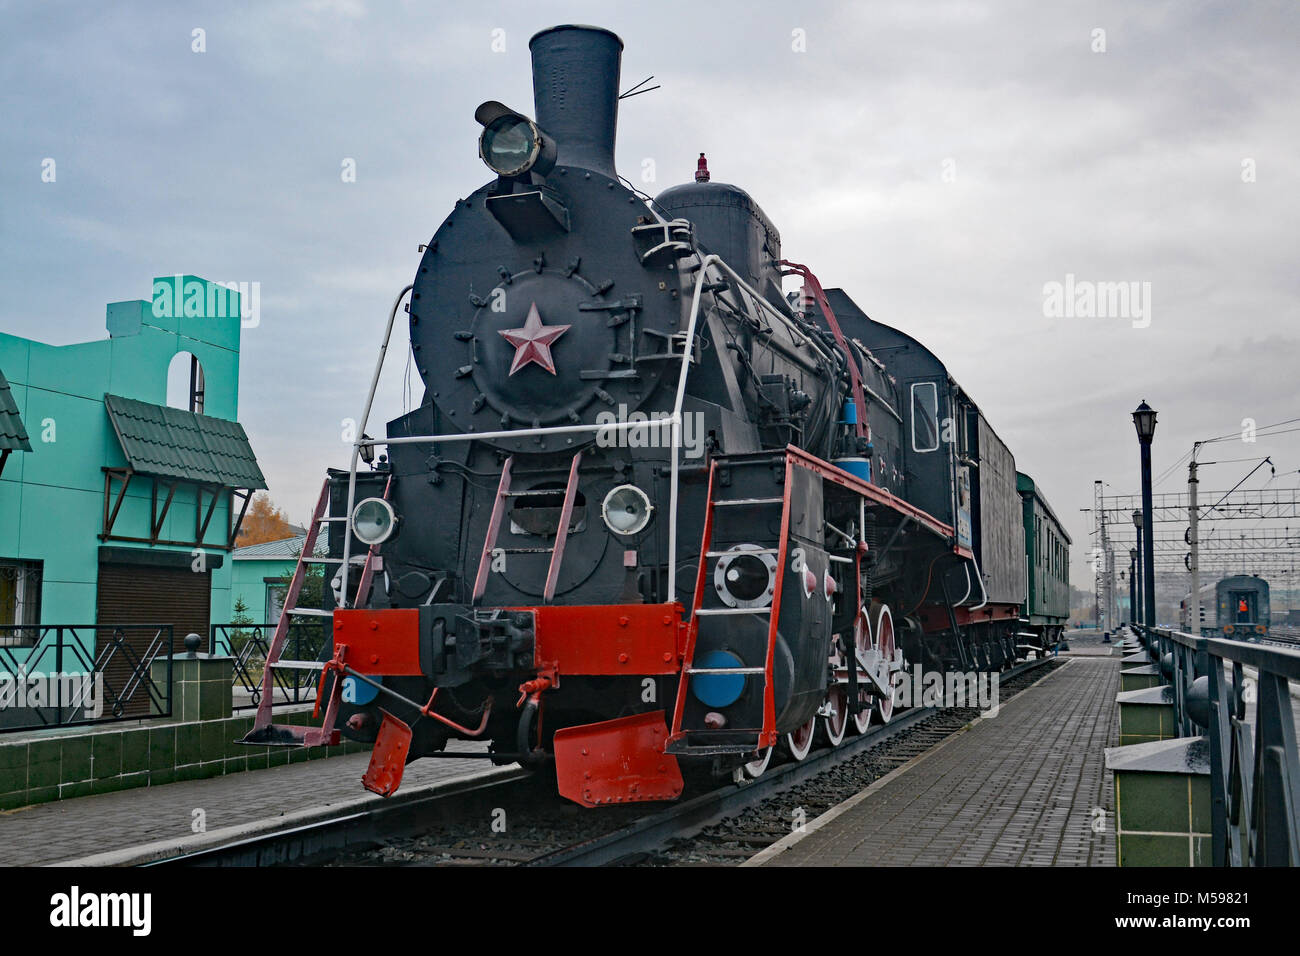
column 1144, row 420
column 373, row 521
column 745, row 577
column 626, row 509
column 511, row 144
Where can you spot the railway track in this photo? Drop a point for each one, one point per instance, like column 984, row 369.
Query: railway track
column 515, row 819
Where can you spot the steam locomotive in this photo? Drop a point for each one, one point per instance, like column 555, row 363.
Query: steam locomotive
column 651, row 513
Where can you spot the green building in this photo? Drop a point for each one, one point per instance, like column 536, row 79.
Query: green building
column 258, row 573
column 117, row 506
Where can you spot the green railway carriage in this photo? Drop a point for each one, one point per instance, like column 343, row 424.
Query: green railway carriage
column 1236, row 607
column 1047, row 563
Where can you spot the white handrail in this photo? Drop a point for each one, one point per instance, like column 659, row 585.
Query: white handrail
column 980, row 578
column 356, row 448
column 676, row 420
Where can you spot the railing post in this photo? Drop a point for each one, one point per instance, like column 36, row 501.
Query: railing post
column 1277, row 791
column 1218, row 734
column 58, row 669
column 171, row 647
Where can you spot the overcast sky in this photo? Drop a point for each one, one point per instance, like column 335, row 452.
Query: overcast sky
column 942, row 162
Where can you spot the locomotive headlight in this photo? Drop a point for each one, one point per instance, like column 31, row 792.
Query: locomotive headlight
column 373, row 521
column 626, row 509
column 745, row 576
column 511, row 144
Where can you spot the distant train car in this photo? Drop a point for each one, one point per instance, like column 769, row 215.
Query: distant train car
column 1236, row 607
column 1047, row 563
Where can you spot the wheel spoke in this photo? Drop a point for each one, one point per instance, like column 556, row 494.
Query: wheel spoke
column 833, row 726
column 798, row 742
column 883, row 629
column 754, row 769
column 862, row 637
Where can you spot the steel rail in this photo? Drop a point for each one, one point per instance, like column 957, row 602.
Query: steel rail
column 687, row 818
column 398, row 816
column 354, row 828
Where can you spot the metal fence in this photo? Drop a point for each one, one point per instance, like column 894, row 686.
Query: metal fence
column 1254, row 767
column 249, row 644
column 53, row 675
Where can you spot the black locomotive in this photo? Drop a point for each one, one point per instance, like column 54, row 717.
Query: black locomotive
column 650, row 511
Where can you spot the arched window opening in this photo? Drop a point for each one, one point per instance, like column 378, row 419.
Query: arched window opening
column 185, row 386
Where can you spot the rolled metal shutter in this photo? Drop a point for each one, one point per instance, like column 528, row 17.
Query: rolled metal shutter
column 133, row 594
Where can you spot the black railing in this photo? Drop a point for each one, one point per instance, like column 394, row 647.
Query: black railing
column 53, row 675
column 249, row 644
column 1254, row 767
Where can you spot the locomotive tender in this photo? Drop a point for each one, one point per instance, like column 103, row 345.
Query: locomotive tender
column 650, row 513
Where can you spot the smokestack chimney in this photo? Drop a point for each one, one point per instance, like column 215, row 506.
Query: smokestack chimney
column 575, row 92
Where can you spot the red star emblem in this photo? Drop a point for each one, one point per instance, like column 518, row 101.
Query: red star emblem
column 533, row 342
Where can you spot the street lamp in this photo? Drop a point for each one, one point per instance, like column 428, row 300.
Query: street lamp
column 1139, row 615
column 1144, row 420
column 1132, row 584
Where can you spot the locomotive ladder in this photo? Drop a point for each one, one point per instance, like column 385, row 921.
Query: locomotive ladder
column 264, row 732
column 556, row 550
column 766, row 736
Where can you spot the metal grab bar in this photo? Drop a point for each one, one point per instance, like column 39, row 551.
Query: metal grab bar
column 356, row 448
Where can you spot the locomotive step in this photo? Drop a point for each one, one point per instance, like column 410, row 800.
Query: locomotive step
column 683, row 747
column 299, row 665
column 726, row 670
column 705, row 611
column 357, row 559
column 720, row 554
column 309, row 611
column 708, row 751
column 750, row 501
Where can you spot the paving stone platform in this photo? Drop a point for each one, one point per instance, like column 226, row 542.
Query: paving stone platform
column 49, row 833
column 1018, row 789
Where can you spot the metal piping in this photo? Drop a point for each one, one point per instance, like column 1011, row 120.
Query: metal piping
column 980, row 578
column 356, row 447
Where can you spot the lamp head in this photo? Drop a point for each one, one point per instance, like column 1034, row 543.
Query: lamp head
column 1144, row 420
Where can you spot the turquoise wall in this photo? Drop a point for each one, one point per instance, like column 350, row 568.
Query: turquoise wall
column 247, row 581
column 52, row 499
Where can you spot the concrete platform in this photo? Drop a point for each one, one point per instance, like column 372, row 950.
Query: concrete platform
column 1028, row 787
column 148, row 822
column 1087, row 642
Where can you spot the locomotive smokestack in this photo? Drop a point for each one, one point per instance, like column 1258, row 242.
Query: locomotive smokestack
column 575, row 91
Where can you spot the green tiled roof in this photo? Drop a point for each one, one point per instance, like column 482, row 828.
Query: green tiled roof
column 13, row 437
column 172, row 443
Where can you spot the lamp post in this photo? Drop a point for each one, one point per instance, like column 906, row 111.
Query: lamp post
column 1144, row 420
column 1140, row 614
column 1132, row 585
